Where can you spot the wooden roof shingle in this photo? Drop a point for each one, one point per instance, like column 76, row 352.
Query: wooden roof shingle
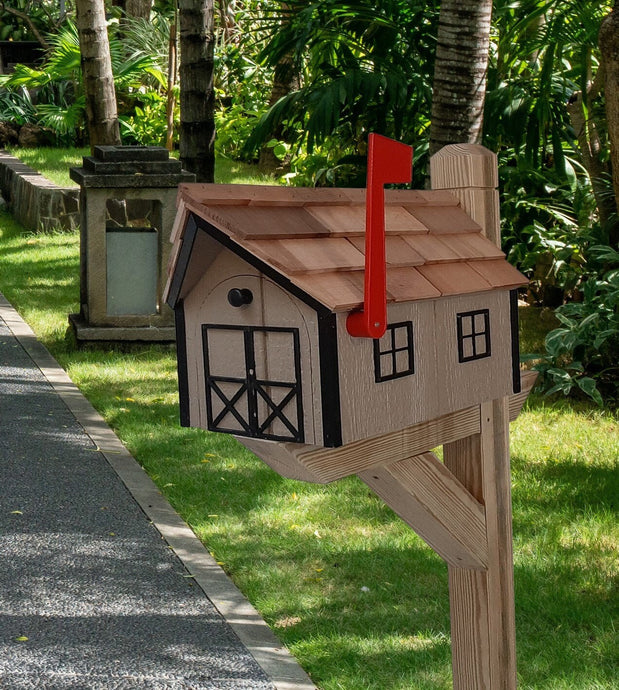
column 316, row 239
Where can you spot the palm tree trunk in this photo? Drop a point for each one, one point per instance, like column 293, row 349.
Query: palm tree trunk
column 140, row 9
column 459, row 87
column 285, row 80
column 197, row 95
column 99, row 89
column 609, row 47
column 172, row 69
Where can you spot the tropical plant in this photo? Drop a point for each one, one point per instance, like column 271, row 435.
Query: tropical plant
column 147, row 126
column 582, row 353
column 364, row 67
column 543, row 100
column 28, row 20
column 17, row 107
column 57, row 87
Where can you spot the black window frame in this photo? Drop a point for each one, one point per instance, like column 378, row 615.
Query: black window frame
column 392, row 351
column 473, row 336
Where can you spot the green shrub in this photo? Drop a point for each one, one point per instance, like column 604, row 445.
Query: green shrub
column 582, row 353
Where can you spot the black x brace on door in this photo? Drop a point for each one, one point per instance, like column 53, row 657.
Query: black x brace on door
column 251, row 405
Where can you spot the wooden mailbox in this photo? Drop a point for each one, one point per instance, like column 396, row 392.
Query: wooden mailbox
column 262, row 280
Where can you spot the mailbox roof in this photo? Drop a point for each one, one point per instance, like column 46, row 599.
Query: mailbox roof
column 315, row 239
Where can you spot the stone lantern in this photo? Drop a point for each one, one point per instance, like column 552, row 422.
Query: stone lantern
column 128, row 202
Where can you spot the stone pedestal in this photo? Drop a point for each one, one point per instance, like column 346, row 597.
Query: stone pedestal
column 128, row 204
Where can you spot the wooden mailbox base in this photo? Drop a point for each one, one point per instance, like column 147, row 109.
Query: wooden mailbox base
column 461, row 507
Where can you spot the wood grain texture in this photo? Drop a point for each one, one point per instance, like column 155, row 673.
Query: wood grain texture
column 265, row 222
column 408, row 285
column 464, row 165
column 180, row 219
column 340, row 291
column 464, row 383
column 323, row 465
column 444, row 219
column 484, row 208
column 456, row 280
column 370, row 408
column 470, row 172
column 239, row 194
column 334, row 463
column 472, row 245
column 308, row 255
column 427, row 496
column 271, row 306
column 433, row 248
column 398, row 252
column 482, row 604
column 499, row 273
column 278, row 458
column 517, row 400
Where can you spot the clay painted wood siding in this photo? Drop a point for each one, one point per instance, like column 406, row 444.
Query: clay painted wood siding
column 440, row 383
column 271, row 307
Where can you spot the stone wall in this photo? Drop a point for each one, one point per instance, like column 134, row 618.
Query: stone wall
column 36, row 202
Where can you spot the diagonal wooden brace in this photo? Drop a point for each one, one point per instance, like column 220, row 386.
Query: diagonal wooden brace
column 428, row 497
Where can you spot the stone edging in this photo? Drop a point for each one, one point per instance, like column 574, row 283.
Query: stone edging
column 36, row 202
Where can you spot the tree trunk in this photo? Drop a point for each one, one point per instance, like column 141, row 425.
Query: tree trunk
column 609, row 47
column 99, row 89
column 139, row 9
column 285, row 80
column 459, row 87
column 197, row 97
column 592, row 149
column 172, row 68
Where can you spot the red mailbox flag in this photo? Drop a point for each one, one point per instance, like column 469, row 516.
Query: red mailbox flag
column 389, row 161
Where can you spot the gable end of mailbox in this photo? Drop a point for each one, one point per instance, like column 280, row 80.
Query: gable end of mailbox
column 325, row 395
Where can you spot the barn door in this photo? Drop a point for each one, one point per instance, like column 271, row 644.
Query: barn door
column 253, row 381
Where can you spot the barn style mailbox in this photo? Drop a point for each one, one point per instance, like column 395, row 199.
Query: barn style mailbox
column 127, row 206
column 339, row 331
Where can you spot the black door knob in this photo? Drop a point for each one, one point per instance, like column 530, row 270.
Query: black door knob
column 240, row 296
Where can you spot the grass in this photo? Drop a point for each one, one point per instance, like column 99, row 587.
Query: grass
column 55, row 163
column 352, row 592
column 51, row 162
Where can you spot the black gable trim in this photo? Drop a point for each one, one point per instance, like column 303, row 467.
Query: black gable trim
column 180, row 269
column 181, row 363
column 513, row 313
column 329, row 381
column 258, row 264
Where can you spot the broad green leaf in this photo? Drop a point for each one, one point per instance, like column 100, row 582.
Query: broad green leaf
column 587, row 385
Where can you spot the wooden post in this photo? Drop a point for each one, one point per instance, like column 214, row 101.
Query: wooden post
column 483, row 634
column 470, row 172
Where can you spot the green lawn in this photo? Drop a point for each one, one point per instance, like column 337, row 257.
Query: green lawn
column 352, row 592
column 55, row 163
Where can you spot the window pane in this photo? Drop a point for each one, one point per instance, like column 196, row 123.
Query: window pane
column 386, row 365
column 480, row 322
column 402, row 361
column 467, row 348
column 466, row 324
column 401, row 337
column 480, row 345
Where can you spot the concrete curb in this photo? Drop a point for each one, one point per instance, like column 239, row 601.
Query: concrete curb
column 279, row 665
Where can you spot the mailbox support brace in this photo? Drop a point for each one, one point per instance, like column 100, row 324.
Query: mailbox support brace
column 463, row 511
column 483, row 631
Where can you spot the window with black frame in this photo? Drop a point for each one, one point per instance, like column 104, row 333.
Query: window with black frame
column 473, row 335
column 394, row 354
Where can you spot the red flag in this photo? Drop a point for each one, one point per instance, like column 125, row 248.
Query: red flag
column 389, row 161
